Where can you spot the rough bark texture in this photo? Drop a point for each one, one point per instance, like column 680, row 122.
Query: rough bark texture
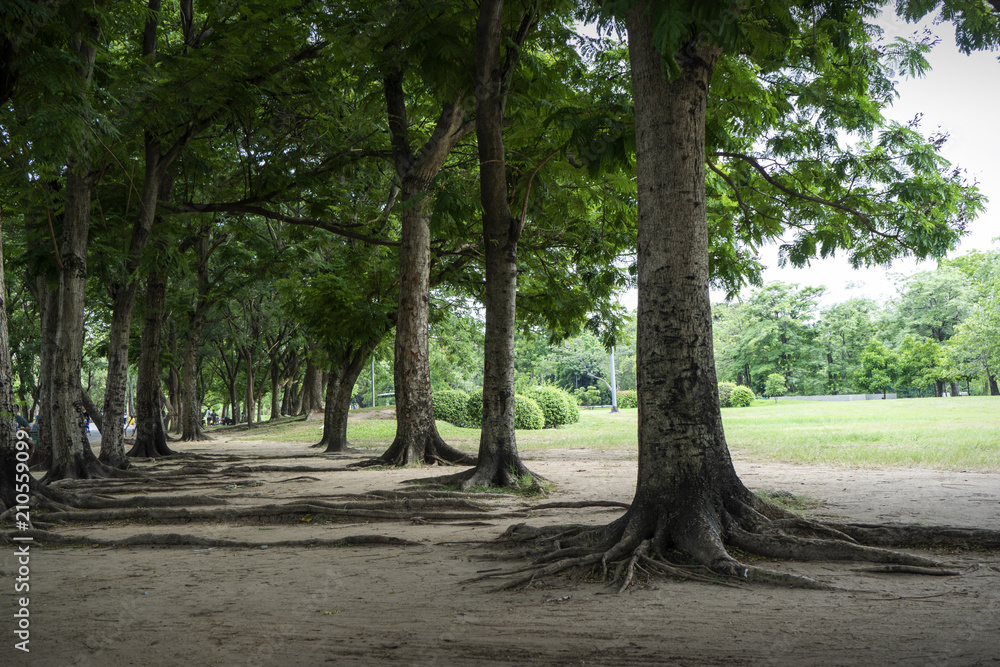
column 417, row 439
column 150, row 437
column 688, row 496
column 312, row 391
column 8, row 428
column 71, row 454
column 340, row 384
column 190, row 407
column 685, row 471
column 498, row 463
column 46, row 299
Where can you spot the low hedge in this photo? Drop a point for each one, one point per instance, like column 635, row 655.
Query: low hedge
column 450, row 406
column 527, row 413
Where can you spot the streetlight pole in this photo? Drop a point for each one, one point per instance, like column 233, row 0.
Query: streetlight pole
column 614, row 384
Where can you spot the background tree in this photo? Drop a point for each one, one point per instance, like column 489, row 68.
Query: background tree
column 879, row 368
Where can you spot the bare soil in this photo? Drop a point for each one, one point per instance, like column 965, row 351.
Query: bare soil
column 413, row 605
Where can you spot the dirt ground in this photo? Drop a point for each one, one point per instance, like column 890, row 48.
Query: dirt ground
column 413, row 605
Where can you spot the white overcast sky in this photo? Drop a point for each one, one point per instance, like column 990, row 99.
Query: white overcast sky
column 960, row 95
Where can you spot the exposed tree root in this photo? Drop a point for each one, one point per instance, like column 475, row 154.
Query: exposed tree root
column 494, row 478
column 909, row 569
column 901, row 535
column 580, row 504
column 637, row 545
column 387, row 511
column 175, row 539
column 273, row 468
column 428, row 450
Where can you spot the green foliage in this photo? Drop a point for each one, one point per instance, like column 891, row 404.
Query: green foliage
column 879, row 368
column 921, row 363
column 528, row 415
column 450, row 405
column 557, row 405
column 587, row 396
column 775, row 385
column 474, row 408
column 726, row 394
column 742, row 397
column 628, row 399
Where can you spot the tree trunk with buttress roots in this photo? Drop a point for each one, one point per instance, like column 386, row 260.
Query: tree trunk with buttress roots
column 688, row 496
column 499, row 463
column 417, row 439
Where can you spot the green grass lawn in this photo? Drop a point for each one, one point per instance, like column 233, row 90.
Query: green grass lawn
column 943, row 433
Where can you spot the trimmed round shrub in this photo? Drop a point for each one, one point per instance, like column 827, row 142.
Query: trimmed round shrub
column 742, row 397
column 726, row 394
column 450, row 406
column 527, row 414
column 556, row 404
column 628, row 399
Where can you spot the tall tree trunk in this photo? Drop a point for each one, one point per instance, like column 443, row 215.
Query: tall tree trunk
column 150, row 436
column 276, row 382
column 250, row 399
column 417, row 439
column 72, row 457
column 340, row 384
column 498, row 463
column 47, row 307
column 123, row 293
column 10, row 444
column 688, row 495
column 312, row 391
column 956, row 389
column 190, row 405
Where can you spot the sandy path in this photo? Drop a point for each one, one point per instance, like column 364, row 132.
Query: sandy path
column 406, row 605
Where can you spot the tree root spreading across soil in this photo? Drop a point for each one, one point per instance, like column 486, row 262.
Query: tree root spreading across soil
column 638, row 546
column 621, row 553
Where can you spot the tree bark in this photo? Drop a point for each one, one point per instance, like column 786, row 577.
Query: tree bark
column 8, row 427
column 339, row 385
column 72, row 457
column 312, row 390
column 499, row 463
column 47, row 307
column 190, row 407
column 687, row 493
column 417, row 439
column 150, row 436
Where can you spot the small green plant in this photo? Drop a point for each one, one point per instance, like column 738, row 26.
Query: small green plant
column 587, row 396
column 775, row 385
column 628, row 399
column 726, row 394
column 742, row 397
column 788, row 501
